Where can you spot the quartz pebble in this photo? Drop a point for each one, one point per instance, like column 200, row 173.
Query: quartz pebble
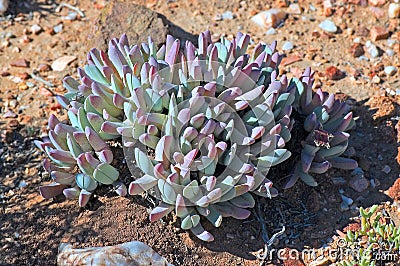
column 294, row 9
column 270, row 18
column 61, row 63
column 36, row 29
column 376, row 80
column 328, row 26
column 130, row 253
column 377, row 2
column 394, row 10
column 58, row 28
column 287, row 46
column 390, row 70
column 271, row 31
column 10, row 114
column 390, row 52
column 372, row 49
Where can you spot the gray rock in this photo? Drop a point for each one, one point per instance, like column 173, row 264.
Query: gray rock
column 338, row 180
column 386, row 169
column 344, row 207
column 390, row 70
column 357, row 171
column 137, row 21
column 328, row 26
column 347, row 200
column 359, row 183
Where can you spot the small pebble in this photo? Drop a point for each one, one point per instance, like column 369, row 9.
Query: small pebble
column 328, row 26
column 36, row 29
column 359, row 183
column 379, row 33
column 386, row 169
column 357, row 40
column 357, row 171
column 394, row 10
column 376, row 80
column 347, row 200
column 230, row 236
column 9, row 114
column 20, row 63
column 227, row 15
column 287, row 46
column 61, row 63
column 71, row 16
column 338, row 181
column 22, row 184
column 44, row 67
column 271, row 31
column 58, row 28
column 333, row 73
column 344, row 206
column 390, row 52
column 390, row 70
column 372, row 49
column 294, row 9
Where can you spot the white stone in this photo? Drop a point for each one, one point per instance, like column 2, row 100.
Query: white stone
column 35, row 29
column 130, row 253
column 328, row 26
column 390, row 52
column 61, row 63
column 390, row 70
column 287, row 46
column 372, row 50
column 270, row 18
column 394, row 10
column 271, row 31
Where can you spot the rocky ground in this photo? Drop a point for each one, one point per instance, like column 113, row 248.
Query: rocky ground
column 353, row 45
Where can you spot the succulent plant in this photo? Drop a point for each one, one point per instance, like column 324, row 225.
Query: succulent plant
column 378, row 239
column 79, row 161
column 324, row 121
column 204, row 125
column 217, row 121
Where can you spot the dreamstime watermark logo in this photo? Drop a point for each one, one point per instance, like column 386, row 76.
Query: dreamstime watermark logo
column 344, row 251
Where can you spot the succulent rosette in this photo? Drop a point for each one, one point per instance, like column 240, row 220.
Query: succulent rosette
column 325, row 121
column 216, row 120
column 77, row 162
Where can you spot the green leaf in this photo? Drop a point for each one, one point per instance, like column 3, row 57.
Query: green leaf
column 144, row 162
column 105, row 174
column 94, row 73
